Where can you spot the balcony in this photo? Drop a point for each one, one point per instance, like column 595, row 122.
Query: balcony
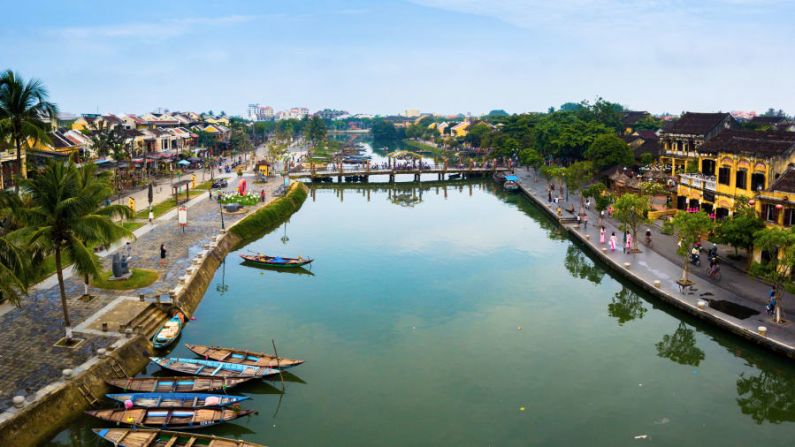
column 700, row 181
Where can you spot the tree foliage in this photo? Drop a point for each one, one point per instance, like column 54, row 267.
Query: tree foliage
column 607, row 151
column 689, row 228
column 631, row 210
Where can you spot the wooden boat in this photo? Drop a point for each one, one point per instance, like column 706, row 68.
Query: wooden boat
column 212, row 368
column 179, row 384
column 125, row 437
column 276, row 261
column 180, row 418
column 511, row 183
column 242, row 357
column 454, row 176
column 499, row 177
column 169, row 332
column 177, row 400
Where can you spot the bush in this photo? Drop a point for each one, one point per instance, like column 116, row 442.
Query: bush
column 246, row 200
column 667, row 227
column 269, row 217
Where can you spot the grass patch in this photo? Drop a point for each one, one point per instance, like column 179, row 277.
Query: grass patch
column 140, row 278
column 204, row 185
column 269, row 217
column 165, row 206
column 132, row 226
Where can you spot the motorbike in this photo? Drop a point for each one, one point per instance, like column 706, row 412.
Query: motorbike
column 695, row 259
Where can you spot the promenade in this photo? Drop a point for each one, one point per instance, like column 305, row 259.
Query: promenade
column 735, row 290
column 29, row 360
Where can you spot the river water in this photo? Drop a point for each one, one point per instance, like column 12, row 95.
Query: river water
column 461, row 315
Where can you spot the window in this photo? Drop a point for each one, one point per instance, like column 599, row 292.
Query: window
column 757, row 181
column 789, row 217
column 708, row 167
column 742, row 179
column 769, row 212
column 724, row 175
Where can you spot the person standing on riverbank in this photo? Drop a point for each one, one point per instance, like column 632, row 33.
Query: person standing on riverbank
column 162, row 255
column 613, row 241
column 602, row 235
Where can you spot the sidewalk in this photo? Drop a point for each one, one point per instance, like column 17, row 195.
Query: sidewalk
column 662, row 264
column 28, row 359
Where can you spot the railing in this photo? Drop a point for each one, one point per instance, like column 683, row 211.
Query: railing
column 700, row 181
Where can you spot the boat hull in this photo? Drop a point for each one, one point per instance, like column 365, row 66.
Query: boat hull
column 179, row 384
column 143, row 437
column 174, row 418
column 212, row 368
column 274, row 262
column 177, row 400
column 242, row 357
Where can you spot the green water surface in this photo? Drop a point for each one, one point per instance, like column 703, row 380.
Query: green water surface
column 461, row 316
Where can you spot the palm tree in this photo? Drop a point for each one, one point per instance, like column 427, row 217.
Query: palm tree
column 15, row 265
column 67, row 216
column 24, row 112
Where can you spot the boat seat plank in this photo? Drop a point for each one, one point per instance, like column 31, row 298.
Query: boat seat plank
column 173, row 441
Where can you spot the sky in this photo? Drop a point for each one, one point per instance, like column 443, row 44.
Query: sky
column 384, row 56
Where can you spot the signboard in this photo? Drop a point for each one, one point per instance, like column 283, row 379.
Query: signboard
column 182, row 216
column 131, row 203
column 193, row 180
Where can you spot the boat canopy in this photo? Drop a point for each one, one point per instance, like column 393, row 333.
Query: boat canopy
column 511, row 178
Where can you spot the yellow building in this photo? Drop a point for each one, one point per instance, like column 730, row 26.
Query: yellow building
column 734, row 163
column 85, row 122
column 461, row 129
column 681, row 140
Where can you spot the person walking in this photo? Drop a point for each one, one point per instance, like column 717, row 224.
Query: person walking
column 128, row 247
column 151, row 216
column 585, row 220
column 613, row 241
column 771, row 305
column 162, row 255
column 629, row 243
column 602, row 235
column 549, row 195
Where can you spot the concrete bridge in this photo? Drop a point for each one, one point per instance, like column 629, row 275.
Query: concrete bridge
column 363, row 174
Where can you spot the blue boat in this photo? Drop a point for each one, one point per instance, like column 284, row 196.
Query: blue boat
column 169, row 332
column 212, row 368
column 511, row 183
column 177, row 400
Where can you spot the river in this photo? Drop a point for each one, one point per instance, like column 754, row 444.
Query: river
column 462, row 315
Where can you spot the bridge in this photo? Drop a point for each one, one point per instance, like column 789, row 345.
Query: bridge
column 363, row 174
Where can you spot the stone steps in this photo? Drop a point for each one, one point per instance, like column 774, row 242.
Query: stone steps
column 150, row 320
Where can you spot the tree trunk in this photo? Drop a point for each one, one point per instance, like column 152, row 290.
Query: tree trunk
column 18, row 145
column 59, row 272
column 685, row 268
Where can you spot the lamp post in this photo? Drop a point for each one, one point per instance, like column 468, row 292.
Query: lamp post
column 221, row 210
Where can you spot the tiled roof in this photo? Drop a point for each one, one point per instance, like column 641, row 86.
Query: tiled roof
column 695, row 123
column 751, row 142
column 786, row 182
column 632, row 117
column 768, row 119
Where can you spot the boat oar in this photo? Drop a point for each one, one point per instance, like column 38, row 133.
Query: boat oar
column 276, row 353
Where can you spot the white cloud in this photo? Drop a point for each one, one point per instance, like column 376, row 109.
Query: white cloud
column 149, row 30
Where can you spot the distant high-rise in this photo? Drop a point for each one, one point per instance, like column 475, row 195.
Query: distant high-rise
column 257, row 112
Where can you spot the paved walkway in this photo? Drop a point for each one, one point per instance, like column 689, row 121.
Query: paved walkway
column 661, row 263
column 28, row 359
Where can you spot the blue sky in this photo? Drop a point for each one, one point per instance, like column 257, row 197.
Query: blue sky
column 385, row 56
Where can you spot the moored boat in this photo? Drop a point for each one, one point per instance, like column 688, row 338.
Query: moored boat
column 242, row 357
column 178, row 418
column 276, row 261
column 177, row 400
column 511, row 183
column 499, row 177
column 125, row 437
column 179, row 384
column 212, row 368
column 169, row 332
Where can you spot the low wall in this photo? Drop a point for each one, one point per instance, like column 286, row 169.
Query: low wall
column 60, row 403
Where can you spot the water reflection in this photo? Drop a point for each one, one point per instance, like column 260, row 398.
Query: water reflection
column 625, row 306
column 81, row 436
column 768, row 396
column 680, row 347
column 580, row 266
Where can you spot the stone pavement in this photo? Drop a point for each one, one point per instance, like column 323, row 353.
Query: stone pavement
column 28, row 359
column 662, row 264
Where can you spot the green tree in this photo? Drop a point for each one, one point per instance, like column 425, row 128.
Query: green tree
column 646, row 158
column 607, row 151
column 315, row 131
column 648, row 123
column 780, row 243
column 25, row 113
column 631, row 210
column 479, row 135
column 578, row 175
column 738, row 231
column 689, row 228
column 67, row 217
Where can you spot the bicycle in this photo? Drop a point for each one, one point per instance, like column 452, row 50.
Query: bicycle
column 714, row 274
